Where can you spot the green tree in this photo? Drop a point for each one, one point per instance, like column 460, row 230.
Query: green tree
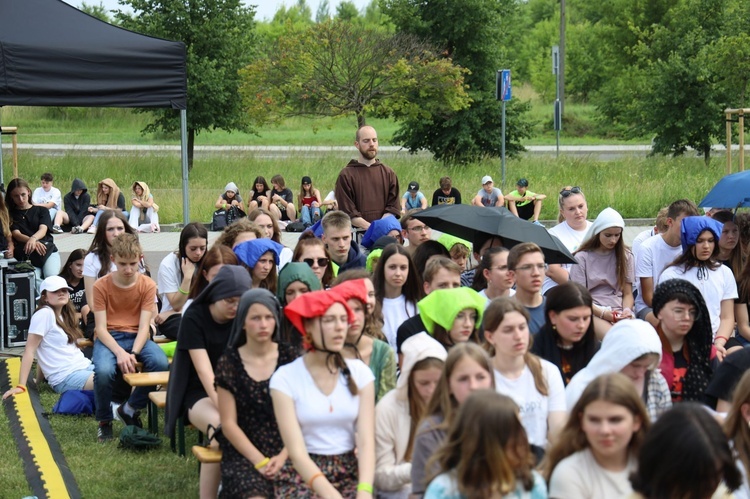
column 678, row 98
column 323, row 13
column 98, row 11
column 471, row 33
column 347, row 11
column 218, row 35
column 337, row 68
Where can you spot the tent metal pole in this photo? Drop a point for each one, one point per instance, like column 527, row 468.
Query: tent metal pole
column 2, row 179
column 183, row 154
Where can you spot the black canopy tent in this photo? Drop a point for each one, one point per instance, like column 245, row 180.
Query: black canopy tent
column 52, row 54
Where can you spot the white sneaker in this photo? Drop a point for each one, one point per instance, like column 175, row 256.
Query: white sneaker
column 114, row 411
column 56, row 229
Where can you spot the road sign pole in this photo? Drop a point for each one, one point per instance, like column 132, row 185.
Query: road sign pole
column 503, row 93
column 503, row 145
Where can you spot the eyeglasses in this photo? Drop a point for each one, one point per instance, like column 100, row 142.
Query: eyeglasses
column 541, row 267
column 322, row 262
column 231, row 302
column 569, row 191
column 684, row 313
column 419, row 229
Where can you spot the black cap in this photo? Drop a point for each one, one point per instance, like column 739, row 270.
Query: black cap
column 413, row 186
column 522, row 182
column 306, row 180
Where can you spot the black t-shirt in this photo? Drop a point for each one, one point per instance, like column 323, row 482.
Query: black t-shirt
column 288, row 196
column 439, row 197
column 199, row 331
column 726, row 376
column 78, row 296
column 678, row 378
column 410, row 327
column 28, row 223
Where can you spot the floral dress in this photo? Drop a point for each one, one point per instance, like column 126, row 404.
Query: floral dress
column 255, row 417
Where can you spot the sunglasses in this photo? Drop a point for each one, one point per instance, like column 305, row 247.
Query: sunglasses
column 322, row 262
column 569, row 191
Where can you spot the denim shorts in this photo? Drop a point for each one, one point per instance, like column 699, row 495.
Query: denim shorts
column 75, row 380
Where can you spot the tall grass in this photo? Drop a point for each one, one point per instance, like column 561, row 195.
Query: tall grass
column 635, row 186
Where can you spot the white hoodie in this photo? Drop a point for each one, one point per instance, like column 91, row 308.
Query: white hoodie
column 392, row 421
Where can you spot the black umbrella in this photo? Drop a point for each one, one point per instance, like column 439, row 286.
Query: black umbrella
column 466, row 221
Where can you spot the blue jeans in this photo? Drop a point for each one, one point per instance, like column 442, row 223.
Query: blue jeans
column 309, row 213
column 105, row 367
column 99, row 215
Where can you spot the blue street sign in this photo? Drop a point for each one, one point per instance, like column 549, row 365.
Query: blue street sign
column 505, row 93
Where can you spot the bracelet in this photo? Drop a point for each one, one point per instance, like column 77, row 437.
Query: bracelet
column 364, row 487
column 722, row 337
column 263, row 463
column 315, row 476
column 182, row 291
column 22, row 387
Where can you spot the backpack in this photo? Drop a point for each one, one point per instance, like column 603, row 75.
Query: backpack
column 135, row 438
column 295, row 227
column 219, row 221
column 75, row 403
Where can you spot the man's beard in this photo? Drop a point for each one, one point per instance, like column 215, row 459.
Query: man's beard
column 368, row 154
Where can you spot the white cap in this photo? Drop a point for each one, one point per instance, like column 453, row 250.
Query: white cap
column 486, row 179
column 54, row 283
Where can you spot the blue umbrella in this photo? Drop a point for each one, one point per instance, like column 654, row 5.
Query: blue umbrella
column 732, row 191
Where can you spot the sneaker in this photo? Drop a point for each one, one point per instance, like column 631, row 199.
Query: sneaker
column 104, row 433
column 76, row 230
column 92, row 230
column 56, row 229
column 134, row 420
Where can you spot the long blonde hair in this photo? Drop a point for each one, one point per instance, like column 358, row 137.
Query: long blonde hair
column 615, row 388
column 487, row 447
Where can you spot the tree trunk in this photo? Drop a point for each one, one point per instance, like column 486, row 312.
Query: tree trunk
column 361, row 121
column 190, row 147
column 707, row 154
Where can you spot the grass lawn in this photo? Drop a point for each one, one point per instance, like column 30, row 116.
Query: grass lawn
column 122, row 126
column 636, row 186
column 103, row 470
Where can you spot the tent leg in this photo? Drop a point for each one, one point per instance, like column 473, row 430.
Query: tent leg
column 183, row 154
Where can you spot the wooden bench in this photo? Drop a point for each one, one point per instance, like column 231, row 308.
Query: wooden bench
column 206, row 455
column 147, row 379
column 156, row 400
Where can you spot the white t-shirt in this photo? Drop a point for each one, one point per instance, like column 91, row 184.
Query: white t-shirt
column 284, row 257
column 653, row 257
column 534, row 407
column 578, row 476
column 572, row 239
column 490, row 199
column 395, row 312
column 483, row 294
column 719, row 285
column 92, row 266
column 169, row 279
column 329, row 422
column 57, row 358
column 41, row 196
